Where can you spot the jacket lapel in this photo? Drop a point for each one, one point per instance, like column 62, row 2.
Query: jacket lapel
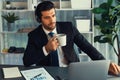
column 43, row 38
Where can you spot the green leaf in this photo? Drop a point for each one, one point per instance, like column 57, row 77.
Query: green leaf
column 109, row 2
column 98, row 10
column 97, row 38
column 118, row 12
column 106, row 31
column 96, row 21
column 105, row 6
column 104, row 40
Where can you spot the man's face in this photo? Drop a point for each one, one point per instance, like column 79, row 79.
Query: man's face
column 48, row 19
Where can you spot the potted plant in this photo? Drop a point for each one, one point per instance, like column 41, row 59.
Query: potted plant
column 109, row 25
column 10, row 18
column 8, row 4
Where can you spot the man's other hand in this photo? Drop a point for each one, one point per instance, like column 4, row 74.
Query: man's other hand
column 114, row 69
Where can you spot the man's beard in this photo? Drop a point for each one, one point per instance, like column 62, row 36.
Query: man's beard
column 49, row 27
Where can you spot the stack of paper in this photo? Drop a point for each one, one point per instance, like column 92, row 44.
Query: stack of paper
column 37, row 74
column 11, row 72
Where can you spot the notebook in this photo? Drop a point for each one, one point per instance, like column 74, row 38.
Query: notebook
column 91, row 70
column 11, row 72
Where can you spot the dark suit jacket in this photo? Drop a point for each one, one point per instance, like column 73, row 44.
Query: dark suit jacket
column 37, row 39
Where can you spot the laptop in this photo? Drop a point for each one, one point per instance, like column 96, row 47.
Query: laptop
column 91, row 70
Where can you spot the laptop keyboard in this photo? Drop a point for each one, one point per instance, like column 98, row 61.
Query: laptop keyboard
column 112, row 76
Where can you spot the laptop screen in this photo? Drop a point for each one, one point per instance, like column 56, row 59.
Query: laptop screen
column 91, row 70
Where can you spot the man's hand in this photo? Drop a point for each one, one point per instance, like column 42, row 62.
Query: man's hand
column 114, row 69
column 52, row 44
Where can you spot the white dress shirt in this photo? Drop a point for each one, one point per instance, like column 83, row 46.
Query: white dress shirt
column 59, row 49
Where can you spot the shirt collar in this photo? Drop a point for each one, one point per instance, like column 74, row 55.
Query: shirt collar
column 46, row 31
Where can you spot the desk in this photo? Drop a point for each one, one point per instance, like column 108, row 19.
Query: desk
column 54, row 71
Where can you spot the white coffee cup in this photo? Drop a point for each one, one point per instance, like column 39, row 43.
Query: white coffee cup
column 61, row 39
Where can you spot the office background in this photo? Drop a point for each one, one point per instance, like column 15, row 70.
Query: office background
column 27, row 19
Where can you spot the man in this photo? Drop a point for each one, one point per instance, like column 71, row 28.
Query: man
column 41, row 46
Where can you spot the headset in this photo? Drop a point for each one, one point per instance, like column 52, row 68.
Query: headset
column 37, row 16
column 45, row 5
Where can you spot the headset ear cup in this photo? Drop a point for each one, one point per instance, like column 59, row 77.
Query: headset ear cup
column 36, row 16
column 38, row 20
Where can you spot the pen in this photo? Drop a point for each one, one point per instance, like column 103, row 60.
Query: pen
column 36, row 76
column 58, row 77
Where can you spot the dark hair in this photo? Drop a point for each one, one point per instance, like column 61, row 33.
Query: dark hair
column 43, row 6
